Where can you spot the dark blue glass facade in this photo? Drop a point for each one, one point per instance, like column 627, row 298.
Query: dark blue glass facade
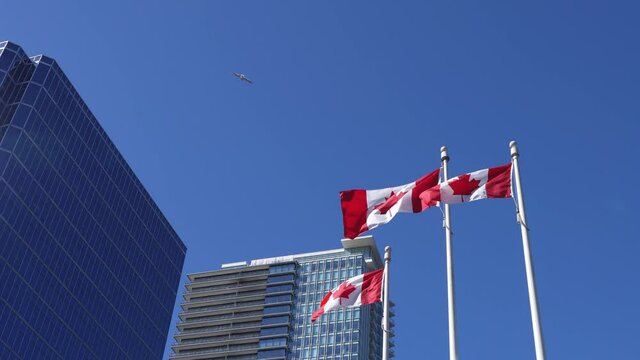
column 89, row 266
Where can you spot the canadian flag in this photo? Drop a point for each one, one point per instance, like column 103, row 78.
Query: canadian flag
column 486, row 183
column 359, row 290
column 363, row 210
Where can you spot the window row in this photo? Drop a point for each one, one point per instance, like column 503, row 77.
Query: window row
column 327, row 339
column 341, row 263
column 273, row 342
column 274, row 269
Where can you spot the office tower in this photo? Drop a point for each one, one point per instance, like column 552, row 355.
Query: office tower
column 89, row 266
column 262, row 309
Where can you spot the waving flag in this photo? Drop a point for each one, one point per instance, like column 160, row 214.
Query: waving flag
column 482, row 184
column 359, row 290
column 363, row 210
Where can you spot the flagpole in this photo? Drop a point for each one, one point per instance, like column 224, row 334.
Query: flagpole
column 453, row 348
column 385, row 305
column 528, row 261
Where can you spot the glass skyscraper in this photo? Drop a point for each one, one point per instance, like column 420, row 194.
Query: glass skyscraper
column 89, row 266
column 262, row 309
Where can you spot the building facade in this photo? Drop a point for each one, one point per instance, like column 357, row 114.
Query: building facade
column 262, row 309
column 89, row 266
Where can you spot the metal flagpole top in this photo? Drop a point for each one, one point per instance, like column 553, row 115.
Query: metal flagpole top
column 514, row 148
column 453, row 351
column 444, row 155
column 385, row 304
column 528, row 259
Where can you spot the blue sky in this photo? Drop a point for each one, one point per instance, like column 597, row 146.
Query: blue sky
column 362, row 94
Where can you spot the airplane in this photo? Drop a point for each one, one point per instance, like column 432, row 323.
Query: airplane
column 242, row 77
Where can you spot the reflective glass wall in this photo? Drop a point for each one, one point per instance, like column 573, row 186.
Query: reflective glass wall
column 342, row 334
column 89, row 266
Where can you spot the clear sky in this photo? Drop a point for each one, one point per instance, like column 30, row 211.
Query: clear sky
column 362, row 94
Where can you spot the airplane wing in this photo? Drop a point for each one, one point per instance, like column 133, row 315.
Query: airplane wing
column 247, row 80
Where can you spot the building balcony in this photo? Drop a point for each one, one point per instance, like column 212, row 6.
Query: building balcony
column 227, row 278
column 217, row 330
column 217, row 299
column 223, row 308
column 228, row 339
column 236, row 294
column 196, row 287
column 249, row 315
column 226, row 350
column 189, row 296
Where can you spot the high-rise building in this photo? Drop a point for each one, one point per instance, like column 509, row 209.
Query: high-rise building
column 261, row 309
column 89, row 266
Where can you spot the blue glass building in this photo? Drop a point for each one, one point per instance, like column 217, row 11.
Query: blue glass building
column 262, row 309
column 89, row 266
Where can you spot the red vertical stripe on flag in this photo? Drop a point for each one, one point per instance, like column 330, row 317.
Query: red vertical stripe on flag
column 430, row 197
column 499, row 182
column 423, row 184
column 372, row 287
column 354, row 212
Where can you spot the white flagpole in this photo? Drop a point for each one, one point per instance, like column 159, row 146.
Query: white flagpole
column 385, row 305
column 528, row 261
column 453, row 348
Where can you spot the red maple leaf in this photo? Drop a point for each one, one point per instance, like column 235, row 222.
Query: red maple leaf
column 388, row 203
column 344, row 291
column 464, row 185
